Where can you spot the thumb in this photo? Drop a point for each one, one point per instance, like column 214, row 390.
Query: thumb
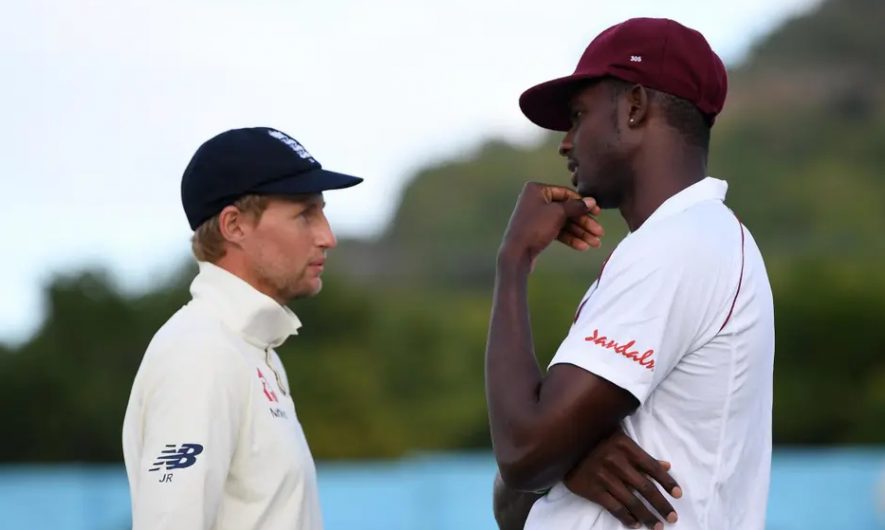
column 577, row 207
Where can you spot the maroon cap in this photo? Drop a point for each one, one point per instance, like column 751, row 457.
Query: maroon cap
column 657, row 53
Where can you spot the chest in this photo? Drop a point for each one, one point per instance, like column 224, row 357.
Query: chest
column 272, row 441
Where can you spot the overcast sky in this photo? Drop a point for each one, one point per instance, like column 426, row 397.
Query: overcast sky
column 103, row 102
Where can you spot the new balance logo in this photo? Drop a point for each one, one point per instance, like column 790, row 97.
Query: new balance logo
column 177, row 457
column 635, row 58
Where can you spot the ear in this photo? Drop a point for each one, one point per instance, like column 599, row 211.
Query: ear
column 233, row 224
column 637, row 109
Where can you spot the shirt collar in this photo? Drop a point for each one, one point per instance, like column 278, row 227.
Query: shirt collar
column 708, row 189
column 257, row 317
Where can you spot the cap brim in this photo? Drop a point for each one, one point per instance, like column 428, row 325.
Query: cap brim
column 314, row 181
column 546, row 105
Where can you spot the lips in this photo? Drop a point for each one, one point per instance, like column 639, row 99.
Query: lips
column 573, row 168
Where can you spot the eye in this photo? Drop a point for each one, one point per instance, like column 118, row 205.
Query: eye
column 311, row 212
column 575, row 116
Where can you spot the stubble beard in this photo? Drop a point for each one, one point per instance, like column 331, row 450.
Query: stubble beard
column 287, row 287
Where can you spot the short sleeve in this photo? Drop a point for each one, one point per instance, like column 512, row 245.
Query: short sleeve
column 194, row 403
column 645, row 312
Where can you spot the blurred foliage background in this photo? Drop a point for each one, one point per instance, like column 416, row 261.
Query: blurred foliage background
column 390, row 359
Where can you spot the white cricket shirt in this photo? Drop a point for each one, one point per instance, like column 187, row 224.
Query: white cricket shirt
column 211, row 439
column 682, row 317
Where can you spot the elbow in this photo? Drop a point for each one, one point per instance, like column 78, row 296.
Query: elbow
column 520, row 479
column 538, row 462
column 533, row 454
column 525, row 470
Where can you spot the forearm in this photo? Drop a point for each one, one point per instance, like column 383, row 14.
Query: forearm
column 511, row 507
column 513, row 377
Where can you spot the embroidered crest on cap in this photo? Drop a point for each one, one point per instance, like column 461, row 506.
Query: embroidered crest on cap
column 291, row 142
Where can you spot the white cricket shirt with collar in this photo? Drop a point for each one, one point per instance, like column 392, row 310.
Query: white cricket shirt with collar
column 682, row 317
column 211, row 439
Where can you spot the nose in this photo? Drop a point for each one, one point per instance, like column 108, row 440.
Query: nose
column 565, row 146
column 325, row 238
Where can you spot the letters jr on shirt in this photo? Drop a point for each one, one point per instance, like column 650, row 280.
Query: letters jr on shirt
column 681, row 316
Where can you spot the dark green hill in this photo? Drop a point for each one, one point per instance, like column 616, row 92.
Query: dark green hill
column 838, row 35
column 801, row 143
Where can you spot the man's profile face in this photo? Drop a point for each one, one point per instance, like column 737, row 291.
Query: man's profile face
column 594, row 149
column 286, row 246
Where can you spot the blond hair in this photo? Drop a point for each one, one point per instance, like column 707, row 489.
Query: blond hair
column 207, row 242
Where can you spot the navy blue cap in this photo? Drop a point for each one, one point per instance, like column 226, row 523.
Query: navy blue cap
column 257, row 160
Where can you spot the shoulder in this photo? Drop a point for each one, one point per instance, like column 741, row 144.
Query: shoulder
column 193, row 334
column 704, row 240
column 193, row 344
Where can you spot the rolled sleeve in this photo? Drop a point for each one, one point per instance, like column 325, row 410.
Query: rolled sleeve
column 194, row 404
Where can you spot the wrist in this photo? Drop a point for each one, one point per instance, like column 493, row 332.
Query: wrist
column 513, row 259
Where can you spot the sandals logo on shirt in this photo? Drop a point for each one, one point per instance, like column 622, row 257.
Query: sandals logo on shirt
column 644, row 359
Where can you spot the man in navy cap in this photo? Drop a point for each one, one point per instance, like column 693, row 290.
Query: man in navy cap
column 673, row 345
column 211, row 438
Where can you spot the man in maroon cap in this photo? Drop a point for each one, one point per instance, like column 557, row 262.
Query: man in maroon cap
column 672, row 346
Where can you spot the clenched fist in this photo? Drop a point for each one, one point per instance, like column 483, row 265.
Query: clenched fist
column 546, row 213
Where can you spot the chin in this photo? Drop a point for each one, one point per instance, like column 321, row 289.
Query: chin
column 586, row 190
column 603, row 200
column 307, row 289
column 607, row 203
column 312, row 289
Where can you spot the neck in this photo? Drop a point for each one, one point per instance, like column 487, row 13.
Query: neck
column 661, row 174
column 234, row 264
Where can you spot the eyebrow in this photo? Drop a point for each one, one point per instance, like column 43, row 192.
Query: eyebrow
column 313, row 203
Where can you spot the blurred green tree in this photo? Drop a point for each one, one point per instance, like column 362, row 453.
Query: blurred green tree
column 390, row 359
